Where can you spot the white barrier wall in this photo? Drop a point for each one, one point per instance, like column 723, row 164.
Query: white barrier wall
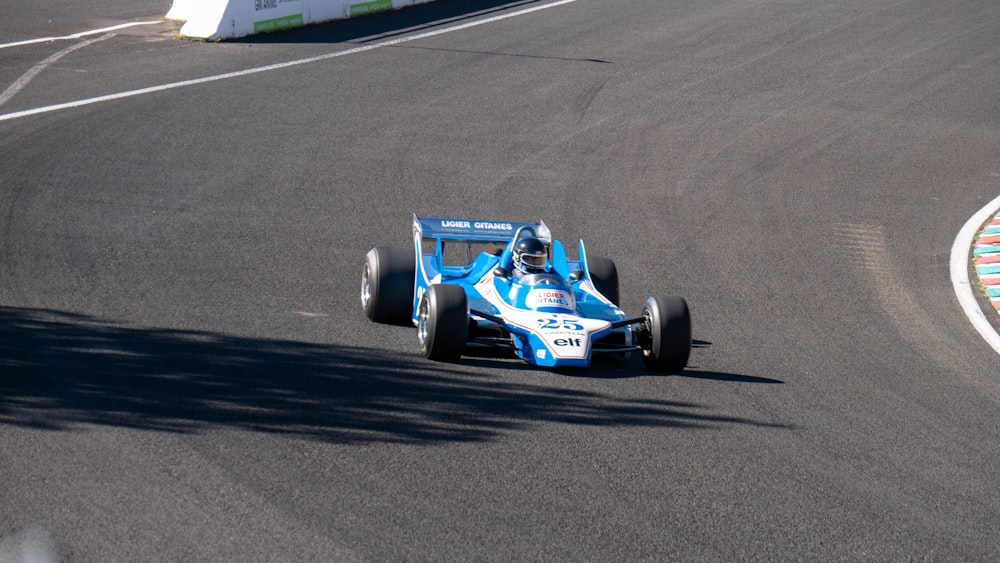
column 226, row 19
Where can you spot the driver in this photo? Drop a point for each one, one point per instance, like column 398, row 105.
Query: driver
column 530, row 257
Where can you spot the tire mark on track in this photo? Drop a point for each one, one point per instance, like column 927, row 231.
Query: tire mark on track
column 865, row 246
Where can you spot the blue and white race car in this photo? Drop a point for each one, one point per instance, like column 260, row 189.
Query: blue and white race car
column 509, row 284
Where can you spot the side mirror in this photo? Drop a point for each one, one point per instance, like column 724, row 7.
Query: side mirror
column 501, row 272
column 576, row 275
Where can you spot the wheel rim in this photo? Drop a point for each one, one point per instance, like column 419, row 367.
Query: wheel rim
column 646, row 333
column 366, row 288
column 423, row 316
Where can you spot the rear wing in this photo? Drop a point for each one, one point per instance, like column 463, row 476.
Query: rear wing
column 473, row 230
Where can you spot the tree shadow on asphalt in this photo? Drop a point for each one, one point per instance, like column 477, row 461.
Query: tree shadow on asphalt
column 62, row 370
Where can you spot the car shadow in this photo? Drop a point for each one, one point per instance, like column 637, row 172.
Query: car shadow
column 63, row 371
column 729, row 377
column 610, row 366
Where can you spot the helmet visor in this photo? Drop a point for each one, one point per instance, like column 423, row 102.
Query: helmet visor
column 533, row 260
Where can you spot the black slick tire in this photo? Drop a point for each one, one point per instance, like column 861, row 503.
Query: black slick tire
column 443, row 322
column 387, row 284
column 666, row 333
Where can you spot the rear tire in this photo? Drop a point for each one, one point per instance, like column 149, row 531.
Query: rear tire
column 666, row 335
column 604, row 274
column 443, row 322
column 387, row 284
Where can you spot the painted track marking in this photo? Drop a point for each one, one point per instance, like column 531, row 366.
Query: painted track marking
column 79, row 35
column 26, row 77
column 277, row 66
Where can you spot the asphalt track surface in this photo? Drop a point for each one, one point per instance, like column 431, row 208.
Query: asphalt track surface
column 188, row 375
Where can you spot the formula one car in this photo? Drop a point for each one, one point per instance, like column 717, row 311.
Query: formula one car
column 510, row 285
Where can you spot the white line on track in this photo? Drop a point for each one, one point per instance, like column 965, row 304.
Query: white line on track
column 277, row 66
column 79, row 35
column 960, row 274
column 26, row 77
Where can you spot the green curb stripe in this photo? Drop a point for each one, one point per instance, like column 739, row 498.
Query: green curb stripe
column 988, row 270
column 276, row 24
column 365, row 8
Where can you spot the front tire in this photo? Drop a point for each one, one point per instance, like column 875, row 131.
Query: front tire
column 604, row 274
column 387, row 284
column 665, row 335
column 443, row 322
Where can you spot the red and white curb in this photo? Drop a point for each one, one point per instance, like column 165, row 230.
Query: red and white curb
column 985, row 244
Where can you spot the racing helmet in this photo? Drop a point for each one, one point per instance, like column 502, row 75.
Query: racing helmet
column 530, row 255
